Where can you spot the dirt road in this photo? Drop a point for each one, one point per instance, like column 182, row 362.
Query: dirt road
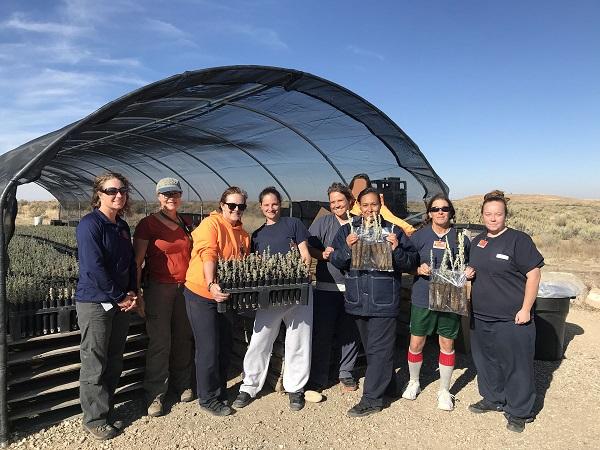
column 568, row 404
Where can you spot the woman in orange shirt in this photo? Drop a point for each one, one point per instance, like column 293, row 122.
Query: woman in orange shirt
column 163, row 241
column 220, row 235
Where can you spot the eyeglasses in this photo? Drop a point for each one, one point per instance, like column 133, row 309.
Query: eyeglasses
column 172, row 194
column 434, row 209
column 240, row 206
column 112, row 191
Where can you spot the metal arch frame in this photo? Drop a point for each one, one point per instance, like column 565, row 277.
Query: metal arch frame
column 116, row 159
column 161, row 163
column 50, row 181
column 223, row 139
column 94, row 175
column 294, row 130
column 49, row 173
column 246, row 152
column 211, row 107
column 182, row 151
column 103, row 168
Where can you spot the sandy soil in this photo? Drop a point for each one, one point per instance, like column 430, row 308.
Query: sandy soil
column 568, row 405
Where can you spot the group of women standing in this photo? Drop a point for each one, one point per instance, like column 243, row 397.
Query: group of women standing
column 178, row 292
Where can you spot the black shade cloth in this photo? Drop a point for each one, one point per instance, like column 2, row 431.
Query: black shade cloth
column 250, row 126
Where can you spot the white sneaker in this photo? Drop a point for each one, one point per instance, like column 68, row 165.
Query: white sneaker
column 413, row 388
column 445, row 400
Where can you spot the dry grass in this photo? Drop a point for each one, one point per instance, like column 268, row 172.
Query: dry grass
column 566, row 230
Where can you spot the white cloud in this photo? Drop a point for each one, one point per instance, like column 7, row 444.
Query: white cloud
column 129, row 62
column 263, row 36
column 165, row 28
column 18, row 22
column 364, row 52
column 94, row 11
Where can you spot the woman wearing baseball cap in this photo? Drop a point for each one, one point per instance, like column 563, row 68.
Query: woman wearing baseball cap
column 163, row 242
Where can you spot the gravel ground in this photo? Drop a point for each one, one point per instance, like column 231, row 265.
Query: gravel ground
column 568, row 404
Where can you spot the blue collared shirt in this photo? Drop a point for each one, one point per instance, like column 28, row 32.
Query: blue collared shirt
column 107, row 268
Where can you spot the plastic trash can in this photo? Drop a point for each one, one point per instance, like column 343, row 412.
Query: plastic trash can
column 550, row 324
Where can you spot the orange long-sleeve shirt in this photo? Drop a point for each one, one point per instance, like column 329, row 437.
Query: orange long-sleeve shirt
column 213, row 239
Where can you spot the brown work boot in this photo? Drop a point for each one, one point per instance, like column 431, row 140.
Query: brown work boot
column 101, row 432
column 156, row 408
column 186, row 396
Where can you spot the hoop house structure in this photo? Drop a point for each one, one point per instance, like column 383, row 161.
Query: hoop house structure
column 250, row 126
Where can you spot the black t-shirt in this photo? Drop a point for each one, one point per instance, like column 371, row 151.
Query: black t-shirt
column 501, row 263
column 280, row 236
column 426, row 240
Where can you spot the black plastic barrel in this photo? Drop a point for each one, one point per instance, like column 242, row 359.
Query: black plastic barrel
column 550, row 324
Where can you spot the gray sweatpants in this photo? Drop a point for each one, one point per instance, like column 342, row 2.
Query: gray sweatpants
column 103, row 335
column 170, row 354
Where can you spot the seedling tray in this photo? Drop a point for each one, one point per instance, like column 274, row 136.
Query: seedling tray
column 263, row 297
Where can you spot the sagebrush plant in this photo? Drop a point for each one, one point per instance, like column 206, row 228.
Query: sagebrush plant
column 564, row 229
column 263, row 268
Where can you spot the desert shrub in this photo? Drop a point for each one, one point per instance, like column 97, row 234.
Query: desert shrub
column 560, row 220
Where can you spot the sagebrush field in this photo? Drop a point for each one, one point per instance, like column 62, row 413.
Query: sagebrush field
column 566, row 230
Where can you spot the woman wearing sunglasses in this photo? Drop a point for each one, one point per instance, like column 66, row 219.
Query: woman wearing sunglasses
column 163, row 241
column 106, row 291
column 431, row 240
column 220, row 235
column 279, row 235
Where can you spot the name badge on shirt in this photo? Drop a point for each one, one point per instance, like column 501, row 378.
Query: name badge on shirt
column 439, row 244
column 482, row 243
column 501, row 256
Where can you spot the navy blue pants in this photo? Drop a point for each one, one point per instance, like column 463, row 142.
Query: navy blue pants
column 503, row 355
column 331, row 320
column 378, row 336
column 212, row 334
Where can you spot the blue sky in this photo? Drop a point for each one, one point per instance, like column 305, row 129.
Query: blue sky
column 496, row 94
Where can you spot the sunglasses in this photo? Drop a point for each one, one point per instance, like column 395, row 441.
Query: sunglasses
column 114, row 191
column 240, row 206
column 435, row 209
column 172, row 194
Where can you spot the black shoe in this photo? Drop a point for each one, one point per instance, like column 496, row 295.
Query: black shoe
column 118, row 425
column 515, row 424
column 348, row 384
column 217, row 408
column 296, row 401
column 483, row 406
column 526, row 419
column 242, row 400
column 101, row 432
column 362, row 410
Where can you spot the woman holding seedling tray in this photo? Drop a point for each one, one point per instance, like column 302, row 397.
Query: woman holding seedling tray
column 373, row 283
column 220, row 235
column 278, row 235
column 439, row 246
column 503, row 331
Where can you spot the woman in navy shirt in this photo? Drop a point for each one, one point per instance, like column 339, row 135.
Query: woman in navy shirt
column 431, row 240
column 503, row 332
column 279, row 235
column 106, row 291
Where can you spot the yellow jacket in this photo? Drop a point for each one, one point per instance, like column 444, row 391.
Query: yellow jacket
column 213, row 239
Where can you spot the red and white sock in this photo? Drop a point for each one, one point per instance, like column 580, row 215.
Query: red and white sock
column 415, row 361
column 446, row 365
